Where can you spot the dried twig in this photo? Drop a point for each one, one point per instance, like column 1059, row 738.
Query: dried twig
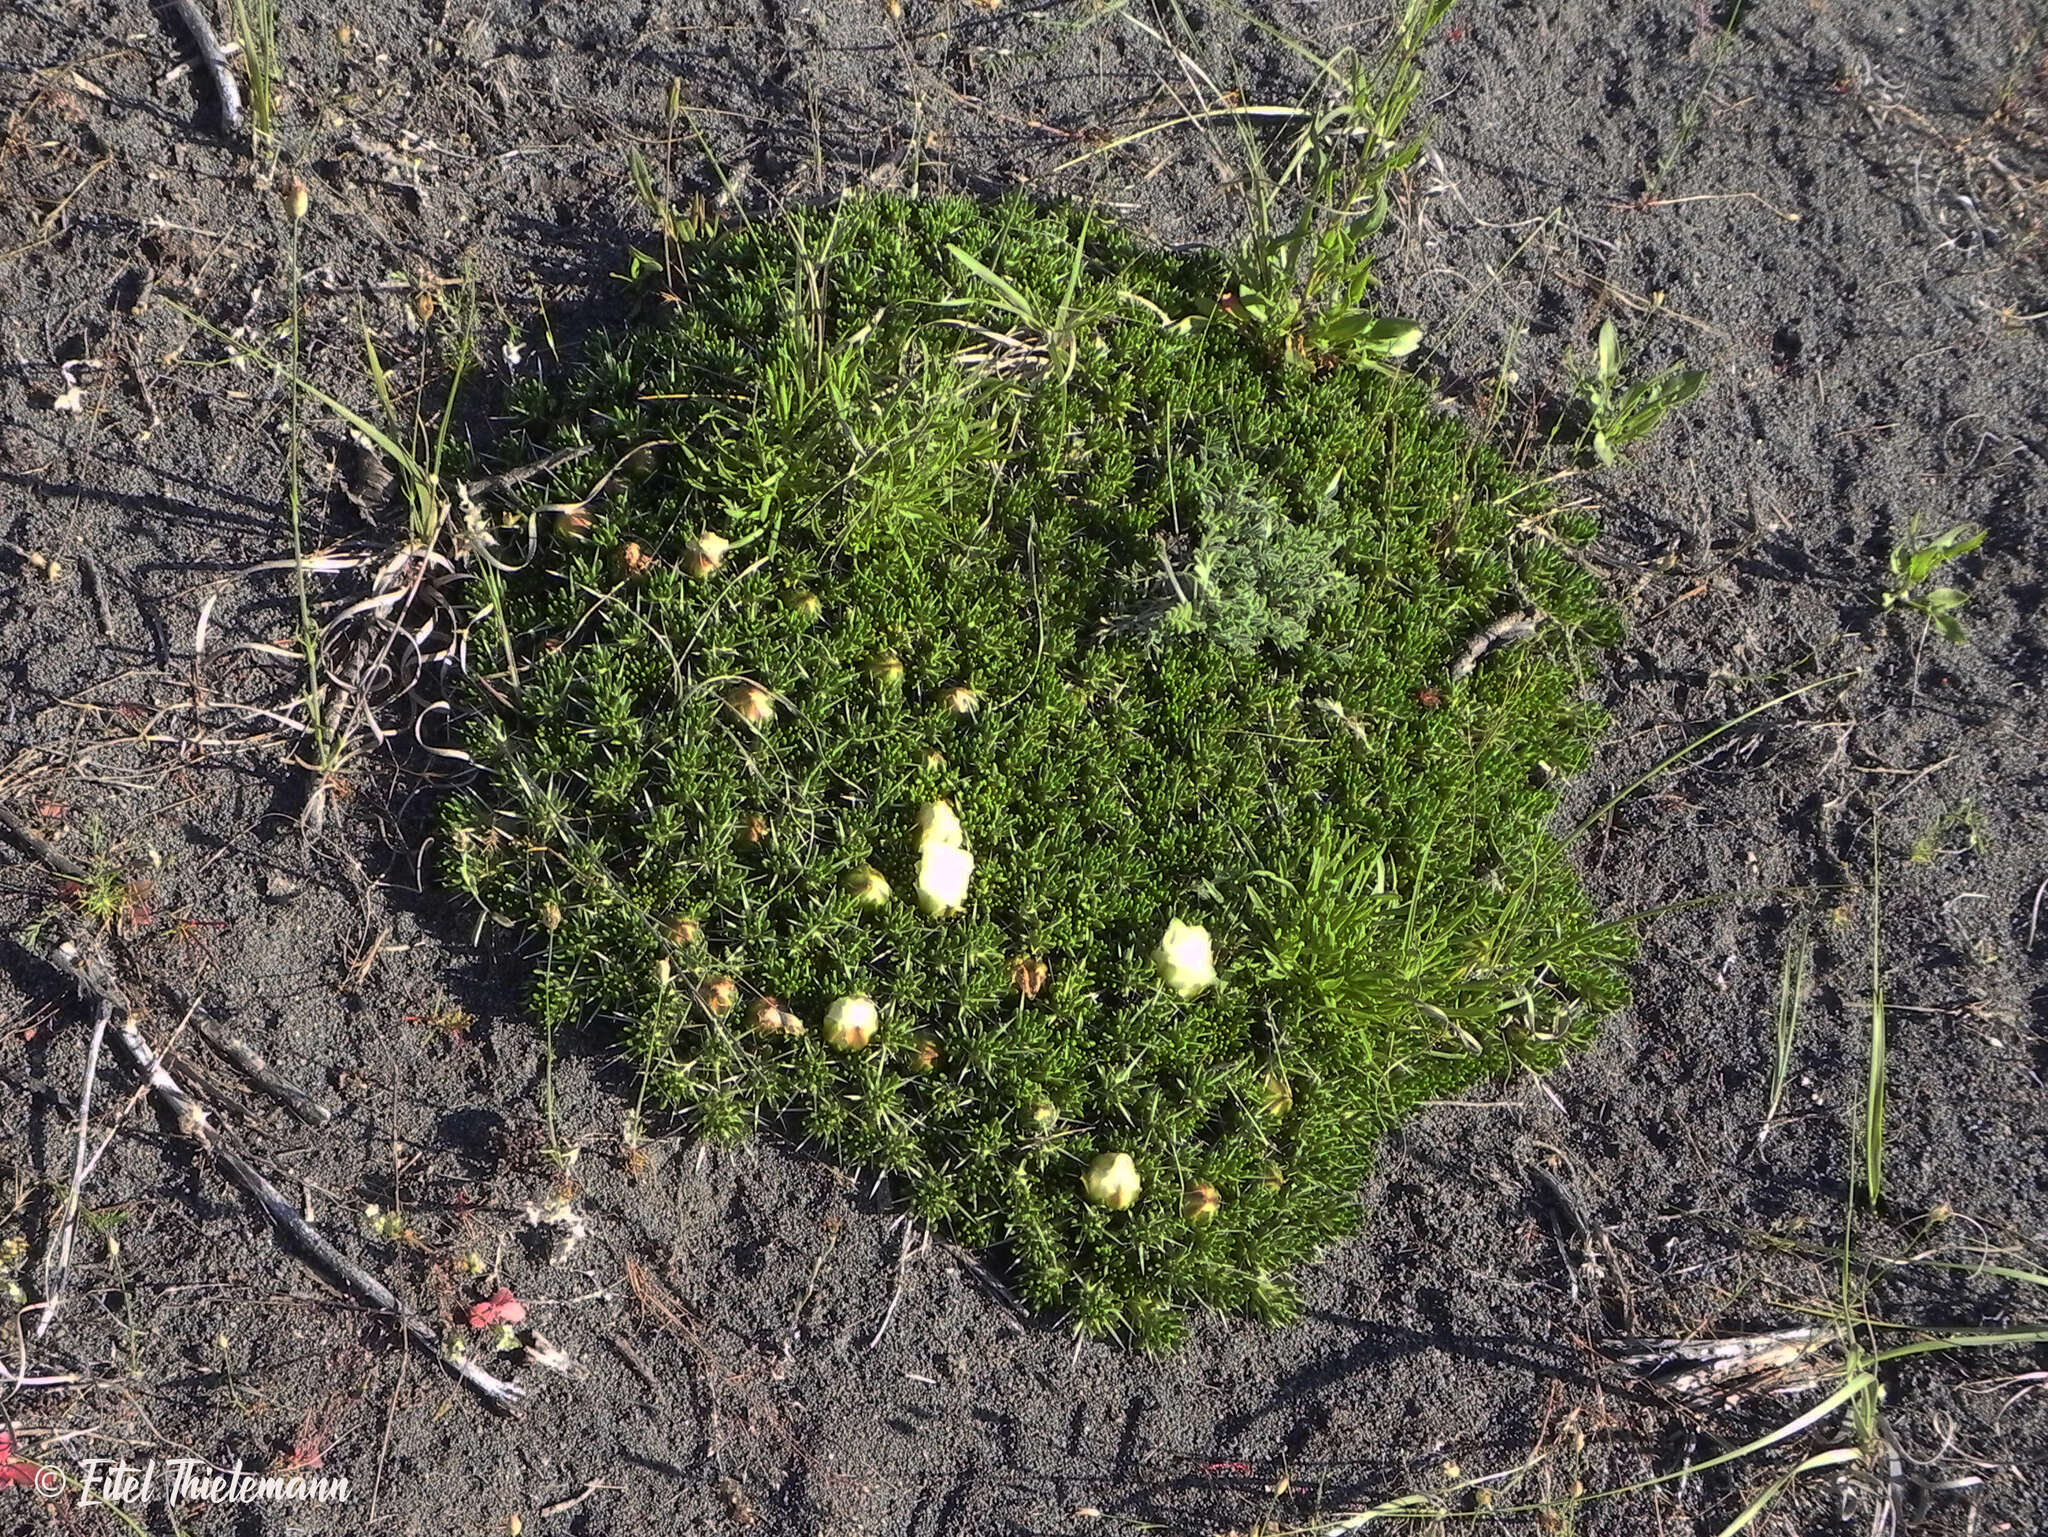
column 562, row 1507
column 251, row 1065
column 53, row 1291
column 903, row 1254
column 1783, row 1362
column 96, row 590
column 36, row 847
column 215, row 58
column 1569, row 1227
column 1017, row 1315
column 1504, row 631
column 640, row 1368
column 504, row 480
column 190, row 1120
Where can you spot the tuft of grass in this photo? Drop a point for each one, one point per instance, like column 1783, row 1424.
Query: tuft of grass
column 111, row 897
column 929, row 550
column 328, row 743
column 1687, row 128
column 450, row 538
column 255, row 24
column 1849, row 1350
column 1317, row 199
column 1849, row 1354
column 1302, row 280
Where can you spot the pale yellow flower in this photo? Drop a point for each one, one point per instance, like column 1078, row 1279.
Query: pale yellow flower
column 1184, row 960
column 936, row 823
column 1112, row 1181
column 943, row 871
column 850, row 1023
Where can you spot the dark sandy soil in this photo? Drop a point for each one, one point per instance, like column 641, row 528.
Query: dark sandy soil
column 1836, row 210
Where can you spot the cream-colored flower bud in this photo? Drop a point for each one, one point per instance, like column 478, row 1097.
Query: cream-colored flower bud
column 868, row 886
column 963, row 701
column 1184, row 960
column 751, row 703
column 936, row 823
column 705, row 554
column 851, row 1023
column 1200, row 1204
column 943, row 872
column 802, row 602
column 886, row 669
column 718, row 995
column 1112, row 1181
column 293, row 194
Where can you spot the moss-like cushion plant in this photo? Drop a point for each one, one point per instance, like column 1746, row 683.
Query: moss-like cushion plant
column 985, row 528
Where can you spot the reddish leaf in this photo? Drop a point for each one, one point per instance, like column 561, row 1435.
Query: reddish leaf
column 13, row 1471
column 502, row 1308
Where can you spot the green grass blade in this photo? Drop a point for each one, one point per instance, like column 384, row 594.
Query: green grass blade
column 400, row 456
column 1874, row 1087
column 1011, row 297
column 2004, row 1272
column 1977, row 1339
column 1692, row 747
column 1791, row 983
column 379, row 380
column 1832, row 1458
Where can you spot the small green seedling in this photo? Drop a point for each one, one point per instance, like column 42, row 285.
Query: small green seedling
column 1941, row 837
column 1912, row 565
column 1617, row 417
column 110, row 897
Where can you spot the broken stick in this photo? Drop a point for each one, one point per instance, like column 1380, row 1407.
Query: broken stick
column 190, row 1120
column 215, row 58
column 1505, row 631
column 250, row 1064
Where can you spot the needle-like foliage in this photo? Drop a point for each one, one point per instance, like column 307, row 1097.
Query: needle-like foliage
column 946, row 524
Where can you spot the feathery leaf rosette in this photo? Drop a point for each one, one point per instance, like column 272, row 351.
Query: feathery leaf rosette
column 941, row 504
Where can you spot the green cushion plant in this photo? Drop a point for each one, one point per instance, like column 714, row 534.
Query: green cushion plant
column 988, row 507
